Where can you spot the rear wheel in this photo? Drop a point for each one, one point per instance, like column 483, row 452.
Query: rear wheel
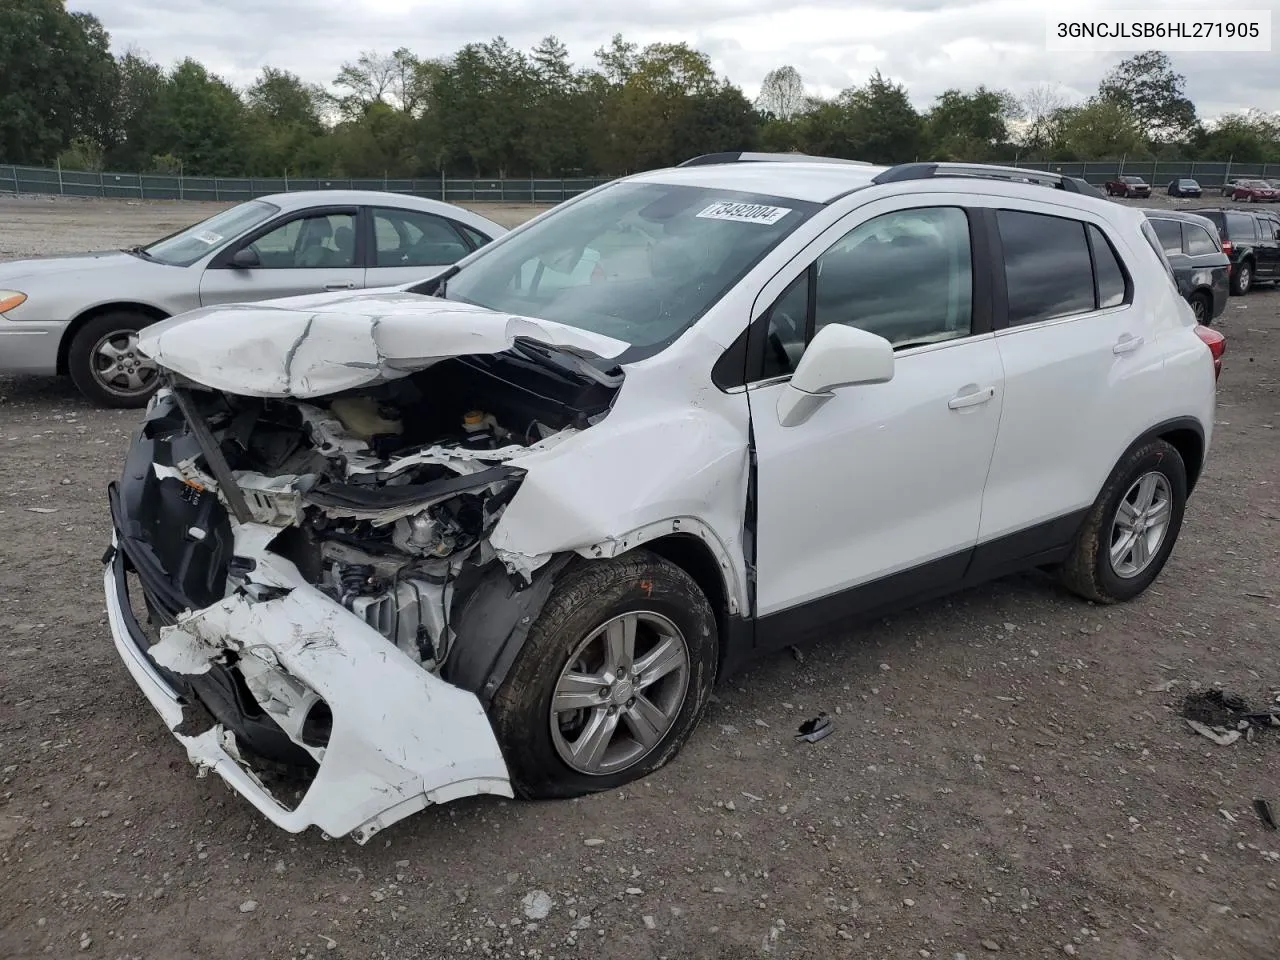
column 1130, row 531
column 1242, row 278
column 106, row 365
column 1202, row 307
column 610, row 682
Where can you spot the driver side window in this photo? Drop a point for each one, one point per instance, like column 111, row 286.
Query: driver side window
column 906, row 276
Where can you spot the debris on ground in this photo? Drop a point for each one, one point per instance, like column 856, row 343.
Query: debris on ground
column 1265, row 813
column 537, row 904
column 1224, row 717
column 814, row 730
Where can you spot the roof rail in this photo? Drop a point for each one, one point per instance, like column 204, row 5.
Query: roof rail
column 926, row 171
column 747, row 156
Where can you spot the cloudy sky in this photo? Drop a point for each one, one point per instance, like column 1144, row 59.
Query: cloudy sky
column 928, row 45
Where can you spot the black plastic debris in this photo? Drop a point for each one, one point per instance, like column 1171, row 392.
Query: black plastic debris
column 1265, row 813
column 1218, row 709
column 811, row 731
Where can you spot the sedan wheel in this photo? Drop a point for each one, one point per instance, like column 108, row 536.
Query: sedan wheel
column 119, row 367
column 106, row 364
column 620, row 693
column 1242, row 279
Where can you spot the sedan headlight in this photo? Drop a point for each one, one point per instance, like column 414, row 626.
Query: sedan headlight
column 10, row 299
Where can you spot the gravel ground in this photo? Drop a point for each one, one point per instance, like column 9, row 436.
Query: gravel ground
column 1009, row 773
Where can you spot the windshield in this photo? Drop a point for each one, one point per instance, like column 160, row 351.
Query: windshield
column 1137, row 180
column 639, row 262
column 185, row 247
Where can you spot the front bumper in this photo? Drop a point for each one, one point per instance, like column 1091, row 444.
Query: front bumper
column 400, row 738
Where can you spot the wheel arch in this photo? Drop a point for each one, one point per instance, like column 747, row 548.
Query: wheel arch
column 120, row 306
column 1184, row 434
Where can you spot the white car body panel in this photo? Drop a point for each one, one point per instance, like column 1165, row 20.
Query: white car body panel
column 316, row 346
column 402, row 739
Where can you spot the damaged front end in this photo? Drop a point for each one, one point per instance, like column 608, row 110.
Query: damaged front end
column 308, row 584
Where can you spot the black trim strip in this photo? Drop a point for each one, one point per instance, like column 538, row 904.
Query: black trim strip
column 213, row 457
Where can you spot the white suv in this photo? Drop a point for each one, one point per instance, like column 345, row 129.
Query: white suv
column 501, row 533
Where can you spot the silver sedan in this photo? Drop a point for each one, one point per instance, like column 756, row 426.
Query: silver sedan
column 80, row 314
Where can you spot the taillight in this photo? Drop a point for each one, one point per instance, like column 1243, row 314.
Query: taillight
column 1217, row 344
column 1226, row 247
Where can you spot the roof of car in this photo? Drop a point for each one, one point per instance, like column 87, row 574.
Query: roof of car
column 1155, row 213
column 813, row 182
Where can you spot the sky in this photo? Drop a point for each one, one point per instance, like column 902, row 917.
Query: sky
column 927, row 45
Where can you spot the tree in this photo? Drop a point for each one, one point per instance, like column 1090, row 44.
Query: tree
column 57, row 79
column 1042, row 108
column 1250, row 137
column 1147, row 87
column 284, row 122
column 1099, row 129
column 882, row 126
column 970, row 126
column 782, row 93
column 138, row 92
column 559, row 115
column 201, row 120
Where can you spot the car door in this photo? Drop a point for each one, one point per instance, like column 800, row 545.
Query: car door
column 1268, row 246
column 1076, row 356
column 876, row 497
column 310, row 251
column 409, row 245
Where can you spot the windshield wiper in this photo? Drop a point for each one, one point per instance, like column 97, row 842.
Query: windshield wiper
column 139, row 251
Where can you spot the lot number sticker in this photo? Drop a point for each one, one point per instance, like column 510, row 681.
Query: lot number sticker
column 744, row 212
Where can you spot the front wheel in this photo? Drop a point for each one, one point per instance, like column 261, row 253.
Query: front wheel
column 106, row 365
column 1130, row 530
column 611, row 681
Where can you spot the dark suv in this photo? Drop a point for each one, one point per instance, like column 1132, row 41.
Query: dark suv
column 1251, row 240
column 1200, row 268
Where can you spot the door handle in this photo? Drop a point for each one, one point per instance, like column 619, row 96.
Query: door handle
column 971, row 399
column 1127, row 344
column 340, row 285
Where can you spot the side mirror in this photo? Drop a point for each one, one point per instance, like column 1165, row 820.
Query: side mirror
column 838, row 356
column 246, row 259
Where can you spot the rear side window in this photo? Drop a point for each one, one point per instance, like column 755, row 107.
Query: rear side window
column 1108, row 273
column 1170, row 234
column 1198, row 240
column 1240, row 227
column 1047, row 265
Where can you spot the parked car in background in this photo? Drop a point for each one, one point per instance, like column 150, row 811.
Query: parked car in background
column 1229, row 187
column 1184, row 187
column 1255, row 191
column 1194, row 251
column 1128, row 187
column 1252, row 241
column 80, row 314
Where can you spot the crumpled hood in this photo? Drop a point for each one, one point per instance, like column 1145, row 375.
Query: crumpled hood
column 325, row 343
column 66, row 263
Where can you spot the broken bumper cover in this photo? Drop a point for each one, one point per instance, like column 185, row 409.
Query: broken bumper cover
column 401, row 739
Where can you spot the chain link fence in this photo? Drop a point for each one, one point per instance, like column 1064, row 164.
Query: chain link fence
column 148, row 186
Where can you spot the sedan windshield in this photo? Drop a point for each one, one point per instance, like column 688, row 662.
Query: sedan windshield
column 639, row 262
column 185, row 247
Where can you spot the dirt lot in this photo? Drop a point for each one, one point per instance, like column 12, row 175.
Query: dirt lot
column 1008, row 772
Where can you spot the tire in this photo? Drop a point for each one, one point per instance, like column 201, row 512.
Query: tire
column 1090, row 570
column 1202, row 306
column 537, row 742
column 104, row 340
column 1242, row 278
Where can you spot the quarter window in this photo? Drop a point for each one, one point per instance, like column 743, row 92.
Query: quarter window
column 1240, row 227
column 1048, row 268
column 906, row 276
column 1108, row 273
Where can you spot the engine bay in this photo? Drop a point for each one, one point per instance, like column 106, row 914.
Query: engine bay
column 385, row 495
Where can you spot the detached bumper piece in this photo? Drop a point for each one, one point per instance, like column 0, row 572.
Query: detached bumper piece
column 387, row 738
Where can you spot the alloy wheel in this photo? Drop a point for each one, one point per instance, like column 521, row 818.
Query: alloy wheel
column 119, row 367
column 1140, row 525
